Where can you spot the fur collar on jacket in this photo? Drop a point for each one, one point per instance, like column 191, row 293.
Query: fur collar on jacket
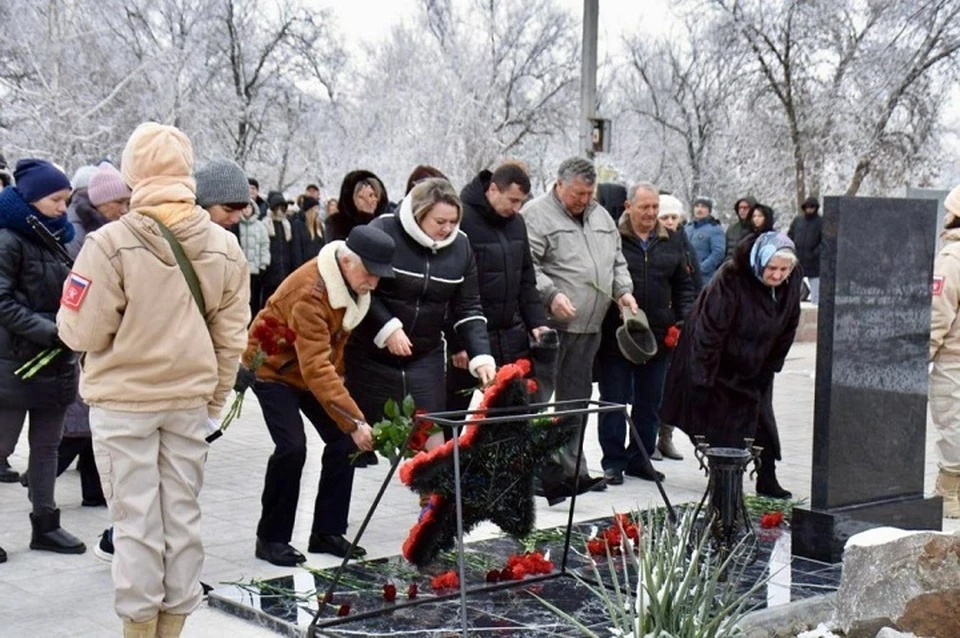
column 337, row 292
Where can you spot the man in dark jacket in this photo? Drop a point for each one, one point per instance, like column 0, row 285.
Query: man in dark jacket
column 740, row 228
column 806, row 231
column 663, row 289
column 507, row 281
column 255, row 196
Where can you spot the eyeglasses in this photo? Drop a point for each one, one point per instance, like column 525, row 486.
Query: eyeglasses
column 236, row 208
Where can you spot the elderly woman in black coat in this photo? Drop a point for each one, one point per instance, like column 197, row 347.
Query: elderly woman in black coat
column 398, row 348
column 720, row 384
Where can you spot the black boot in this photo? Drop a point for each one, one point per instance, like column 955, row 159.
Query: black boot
column 3, row 556
column 49, row 536
column 767, row 484
column 7, row 473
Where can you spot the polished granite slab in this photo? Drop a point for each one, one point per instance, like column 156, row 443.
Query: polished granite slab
column 287, row 605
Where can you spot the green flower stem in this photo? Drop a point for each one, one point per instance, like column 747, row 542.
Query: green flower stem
column 36, row 366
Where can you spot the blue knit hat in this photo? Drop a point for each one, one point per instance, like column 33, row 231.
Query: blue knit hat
column 37, row 178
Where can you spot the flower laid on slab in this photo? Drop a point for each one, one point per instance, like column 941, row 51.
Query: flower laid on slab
column 771, row 520
column 389, row 592
column 343, row 610
column 446, row 580
column 271, row 336
column 614, row 538
column 522, row 565
column 412, row 591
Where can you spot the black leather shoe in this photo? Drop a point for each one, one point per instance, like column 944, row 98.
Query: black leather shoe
column 93, row 502
column 279, row 554
column 50, row 537
column 556, row 492
column 587, row 484
column 613, row 476
column 645, row 473
column 7, row 473
column 333, row 544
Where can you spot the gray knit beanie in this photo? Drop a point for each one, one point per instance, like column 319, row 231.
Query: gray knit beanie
column 221, row 181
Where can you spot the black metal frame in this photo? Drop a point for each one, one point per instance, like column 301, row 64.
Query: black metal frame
column 455, row 421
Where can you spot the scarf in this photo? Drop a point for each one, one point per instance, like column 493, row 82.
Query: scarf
column 14, row 211
column 272, row 228
column 766, row 246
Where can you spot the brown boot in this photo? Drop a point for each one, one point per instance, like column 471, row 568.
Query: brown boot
column 170, row 625
column 145, row 629
column 665, row 443
column 948, row 486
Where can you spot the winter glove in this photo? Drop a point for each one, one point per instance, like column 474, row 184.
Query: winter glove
column 245, row 378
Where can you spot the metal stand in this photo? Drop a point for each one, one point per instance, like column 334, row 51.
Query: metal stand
column 727, row 511
column 492, row 417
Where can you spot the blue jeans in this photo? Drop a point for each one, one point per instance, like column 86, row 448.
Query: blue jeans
column 641, row 387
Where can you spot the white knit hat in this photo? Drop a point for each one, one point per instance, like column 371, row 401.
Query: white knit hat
column 670, row 205
column 81, row 178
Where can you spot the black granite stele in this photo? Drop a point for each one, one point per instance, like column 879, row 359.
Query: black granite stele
column 873, row 332
column 515, row 611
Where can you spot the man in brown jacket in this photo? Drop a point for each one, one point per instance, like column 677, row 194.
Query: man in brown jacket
column 322, row 302
column 156, row 372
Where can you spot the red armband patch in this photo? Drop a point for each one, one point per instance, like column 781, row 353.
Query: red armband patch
column 937, row 288
column 75, row 291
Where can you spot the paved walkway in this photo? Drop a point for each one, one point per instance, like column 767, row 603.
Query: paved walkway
column 50, row 595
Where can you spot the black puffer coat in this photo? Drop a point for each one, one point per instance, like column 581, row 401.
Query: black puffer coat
column 735, row 339
column 662, row 284
column 31, row 283
column 339, row 225
column 507, row 280
column 806, row 231
column 435, row 285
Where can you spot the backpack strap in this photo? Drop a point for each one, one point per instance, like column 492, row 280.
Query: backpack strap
column 189, row 274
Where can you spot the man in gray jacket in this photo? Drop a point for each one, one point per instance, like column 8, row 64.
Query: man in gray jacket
column 579, row 264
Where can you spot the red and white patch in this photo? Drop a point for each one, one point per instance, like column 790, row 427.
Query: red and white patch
column 75, row 291
column 937, row 288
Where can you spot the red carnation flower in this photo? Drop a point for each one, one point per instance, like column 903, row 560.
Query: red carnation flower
column 343, row 610
column 771, row 520
column 389, row 592
column 271, row 322
column 493, row 576
column 412, row 591
column 448, row 580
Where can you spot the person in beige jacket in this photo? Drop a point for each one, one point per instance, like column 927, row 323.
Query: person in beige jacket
column 156, row 372
column 945, row 355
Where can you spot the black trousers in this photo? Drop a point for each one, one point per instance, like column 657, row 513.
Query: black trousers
column 282, row 406
column 81, row 448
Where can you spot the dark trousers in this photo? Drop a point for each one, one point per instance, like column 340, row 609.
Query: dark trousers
column 641, row 387
column 46, row 428
column 282, row 406
column 81, row 448
column 256, row 296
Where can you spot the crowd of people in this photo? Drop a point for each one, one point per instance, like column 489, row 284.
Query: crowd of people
column 162, row 275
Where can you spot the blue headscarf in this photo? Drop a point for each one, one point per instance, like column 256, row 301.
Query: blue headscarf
column 766, row 246
column 14, row 211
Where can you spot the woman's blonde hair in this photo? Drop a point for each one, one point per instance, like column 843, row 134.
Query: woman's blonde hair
column 314, row 224
column 432, row 191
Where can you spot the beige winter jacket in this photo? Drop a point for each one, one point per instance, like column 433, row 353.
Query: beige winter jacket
column 944, row 331
column 570, row 257
column 147, row 347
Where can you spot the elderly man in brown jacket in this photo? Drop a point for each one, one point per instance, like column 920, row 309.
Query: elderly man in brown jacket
column 321, row 302
column 159, row 363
